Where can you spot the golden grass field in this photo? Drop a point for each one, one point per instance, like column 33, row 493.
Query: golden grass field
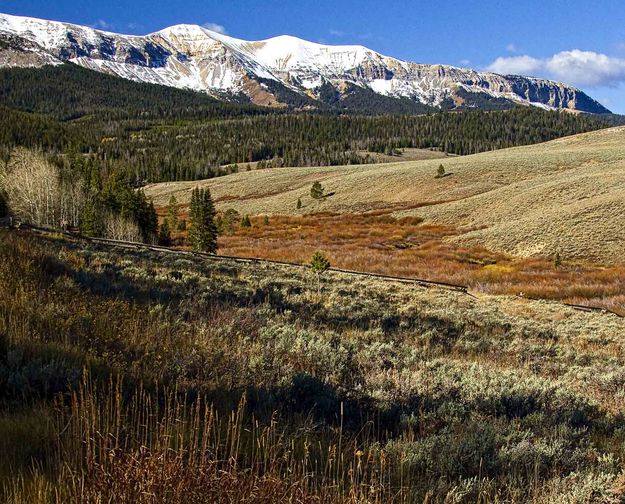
column 494, row 223
column 565, row 195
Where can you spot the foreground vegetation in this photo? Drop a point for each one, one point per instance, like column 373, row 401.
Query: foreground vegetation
column 130, row 376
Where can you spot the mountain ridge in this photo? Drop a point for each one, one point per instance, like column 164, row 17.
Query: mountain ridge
column 268, row 71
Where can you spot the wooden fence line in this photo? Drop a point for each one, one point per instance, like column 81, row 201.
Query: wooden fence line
column 10, row 223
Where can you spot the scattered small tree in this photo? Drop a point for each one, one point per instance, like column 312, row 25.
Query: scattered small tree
column 164, row 234
column 319, row 264
column 316, row 191
column 227, row 220
column 266, row 220
column 172, row 213
column 246, row 222
column 299, row 203
column 182, row 225
column 440, row 172
column 203, row 231
column 557, row 260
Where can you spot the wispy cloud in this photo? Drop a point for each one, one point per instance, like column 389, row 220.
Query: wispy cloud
column 215, row 27
column 580, row 68
column 512, row 48
column 134, row 27
column 465, row 62
column 337, row 33
column 101, row 24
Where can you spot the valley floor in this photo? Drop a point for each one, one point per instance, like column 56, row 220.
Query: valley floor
column 405, row 247
column 495, row 222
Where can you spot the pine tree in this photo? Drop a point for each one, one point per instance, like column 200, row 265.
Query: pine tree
column 172, row 213
column 4, row 207
column 440, row 172
column 299, row 203
column 245, row 222
column 164, row 234
column 316, row 191
column 89, row 219
column 203, row 231
column 319, row 264
column 151, row 223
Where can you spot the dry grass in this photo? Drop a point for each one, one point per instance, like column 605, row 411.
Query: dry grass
column 379, row 243
column 526, row 201
column 372, row 391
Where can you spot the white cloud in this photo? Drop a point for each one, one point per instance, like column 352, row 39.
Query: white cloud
column 580, row 68
column 512, row 48
column 516, row 65
column 215, row 27
column 465, row 62
column 337, row 33
column 586, row 67
column 100, row 24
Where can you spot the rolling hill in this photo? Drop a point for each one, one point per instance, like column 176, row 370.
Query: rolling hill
column 565, row 195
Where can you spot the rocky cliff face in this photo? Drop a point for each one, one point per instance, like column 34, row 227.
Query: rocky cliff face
column 188, row 56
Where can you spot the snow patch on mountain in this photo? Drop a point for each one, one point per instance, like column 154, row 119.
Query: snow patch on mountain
column 193, row 57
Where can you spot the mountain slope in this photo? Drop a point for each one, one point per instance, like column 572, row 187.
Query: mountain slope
column 68, row 91
column 158, row 133
column 279, row 71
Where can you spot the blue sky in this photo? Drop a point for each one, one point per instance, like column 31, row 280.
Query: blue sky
column 576, row 41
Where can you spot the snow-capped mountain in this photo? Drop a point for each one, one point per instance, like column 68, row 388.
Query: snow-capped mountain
column 273, row 71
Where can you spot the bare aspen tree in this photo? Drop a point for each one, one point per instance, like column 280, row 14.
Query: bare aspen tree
column 73, row 200
column 36, row 194
column 117, row 227
column 32, row 188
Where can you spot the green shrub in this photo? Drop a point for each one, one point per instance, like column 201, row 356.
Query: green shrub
column 316, row 191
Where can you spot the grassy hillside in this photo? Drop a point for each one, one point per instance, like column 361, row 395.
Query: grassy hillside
column 561, row 196
column 142, row 377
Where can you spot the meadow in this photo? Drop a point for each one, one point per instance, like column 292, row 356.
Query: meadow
column 533, row 201
column 378, row 242
column 137, row 376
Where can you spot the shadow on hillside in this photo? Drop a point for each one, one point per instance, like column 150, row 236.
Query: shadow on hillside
column 112, row 282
